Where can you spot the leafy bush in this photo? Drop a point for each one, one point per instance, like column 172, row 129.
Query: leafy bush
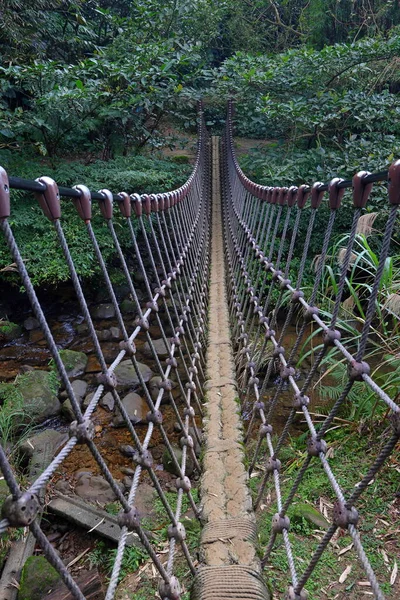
column 34, row 233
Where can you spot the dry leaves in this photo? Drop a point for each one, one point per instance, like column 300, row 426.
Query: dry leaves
column 394, row 574
column 345, row 574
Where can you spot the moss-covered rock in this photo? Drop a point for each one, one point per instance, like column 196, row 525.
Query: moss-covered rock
column 9, row 331
column 39, row 391
column 74, row 362
column 38, row 577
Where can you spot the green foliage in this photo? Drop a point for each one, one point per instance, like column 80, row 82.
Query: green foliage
column 36, row 237
column 104, row 557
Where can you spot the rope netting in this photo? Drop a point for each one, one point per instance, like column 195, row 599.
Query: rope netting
column 174, row 239
column 262, row 227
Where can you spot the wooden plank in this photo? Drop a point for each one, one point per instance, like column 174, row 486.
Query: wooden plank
column 89, row 517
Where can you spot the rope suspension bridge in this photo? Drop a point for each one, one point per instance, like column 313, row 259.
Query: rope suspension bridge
column 224, row 247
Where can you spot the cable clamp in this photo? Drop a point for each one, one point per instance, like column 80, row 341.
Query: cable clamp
column 22, row 511
column 84, row 432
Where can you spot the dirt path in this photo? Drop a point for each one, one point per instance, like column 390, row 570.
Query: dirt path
column 229, row 536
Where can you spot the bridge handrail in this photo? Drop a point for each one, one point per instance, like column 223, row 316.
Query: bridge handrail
column 256, row 221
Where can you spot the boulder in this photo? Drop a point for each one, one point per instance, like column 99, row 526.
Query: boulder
column 115, row 333
column 169, row 465
column 93, row 488
column 107, row 401
column 67, row 411
column 136, row 408
column 9, row 331
column 31, row 323
column 159, row 347
column 104, row 311
column 79, row 386
column 128, row 307
column 40, row 394
column 74, row 362
column 48, row 437
column 103, row 335
column 38, row 577
column 126, row 374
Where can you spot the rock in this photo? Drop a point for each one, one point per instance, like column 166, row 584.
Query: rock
column 79, row 386
column 154, row 388
column 81, row 328
column 103, row 311
column 31, row 323
column 127, row 307
column 127, row 471
column 35, row 336
column 55, row 439
column 138, row 276
column 159, row 347
column 127, row 483
column 310, row 513
column 87, row 401
column 93, row 488
column 74, row 362
column 38, row 577
column 126, row 374
column 107, row 401
column 67, row 410
column 40, row 394
column 103, row 335
column 115, row 333
column 136, row 408
column 144, row 500
column 169, row 465
column 9, row 331
column 26, row 368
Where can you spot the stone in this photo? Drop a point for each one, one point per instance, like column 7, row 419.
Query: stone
column 40, row 394
column 51, row 437
column 126, row 374
column 107, row 401
column 127, row 307
column 67, row 411
column 103, row 335
column 159, row 347
column 169, row 465
column 127, row 471
column 154, row 388
column 309, row 513
column 82, row 328
column 9, row 331
column 93, row 488
column 138, row 276
column 103, row 311
column 79, row 386
column 127, row 483
column 144, row 500
column 31, row 323
column 74, row 362
column 35, row 336
column 38, row 577
column 136, row 408
column 115, row 333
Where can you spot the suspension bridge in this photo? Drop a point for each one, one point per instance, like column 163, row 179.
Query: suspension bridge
column 221, row 248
